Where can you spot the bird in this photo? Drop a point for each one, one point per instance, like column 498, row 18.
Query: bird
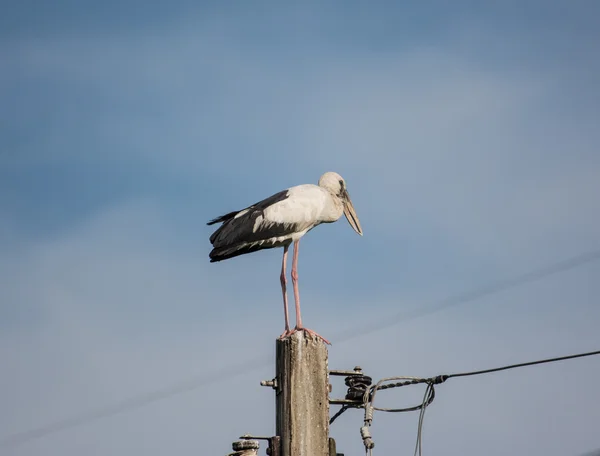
column 280, row 220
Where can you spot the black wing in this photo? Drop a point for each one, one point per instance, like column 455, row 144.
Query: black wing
column 237, row 235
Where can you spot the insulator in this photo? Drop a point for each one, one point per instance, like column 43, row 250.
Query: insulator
column 357, row 385
column 365, row 433
column 245, row 445
column 369, row 413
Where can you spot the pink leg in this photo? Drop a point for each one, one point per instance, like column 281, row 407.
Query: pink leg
column 295, row 283
column 299, row 326
column 284, row 291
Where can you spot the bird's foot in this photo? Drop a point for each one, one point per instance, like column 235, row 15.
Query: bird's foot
column 309, row 331
column 286, row 333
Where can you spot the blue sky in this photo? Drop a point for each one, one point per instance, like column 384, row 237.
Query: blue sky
column 468, row 137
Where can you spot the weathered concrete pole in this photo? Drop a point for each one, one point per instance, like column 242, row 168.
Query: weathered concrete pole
column 302, row 396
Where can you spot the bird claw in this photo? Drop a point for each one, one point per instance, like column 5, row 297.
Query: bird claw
column 311, row 332
column 285, row 334
column 289, row 332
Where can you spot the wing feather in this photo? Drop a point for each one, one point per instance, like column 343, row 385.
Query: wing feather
column 269, row 223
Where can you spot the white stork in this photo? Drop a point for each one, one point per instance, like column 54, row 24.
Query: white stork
column 278, row 221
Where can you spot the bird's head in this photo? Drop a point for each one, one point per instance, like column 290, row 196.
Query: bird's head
column 337, row 186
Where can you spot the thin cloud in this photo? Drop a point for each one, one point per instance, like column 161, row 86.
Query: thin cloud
column 466, row 164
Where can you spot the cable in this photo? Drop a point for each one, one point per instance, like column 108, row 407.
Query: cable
column 235, row 370
column 442, row 378
column 462, row 298
column 429, row 392
column 338, row 414
column 369, row 395
column 129, row 404
column 514, row 366
column 369, row 400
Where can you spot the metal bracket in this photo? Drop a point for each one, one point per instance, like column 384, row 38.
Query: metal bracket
column 350, row 401
column 272, row 383
column 332, row 448
column 357, row 371
column 345, row 402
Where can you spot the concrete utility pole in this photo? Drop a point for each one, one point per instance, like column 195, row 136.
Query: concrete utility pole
column 302, row 401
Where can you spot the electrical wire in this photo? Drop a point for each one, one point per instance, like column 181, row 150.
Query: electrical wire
column 429, row 396
column 142, row 400
column 131, row 403
column 338, row 414
column 438, row 379
column 472, row 295
column 429, row 392
column 530, row 363
column 370, row 394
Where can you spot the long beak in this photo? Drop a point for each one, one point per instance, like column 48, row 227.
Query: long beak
column 350, row 213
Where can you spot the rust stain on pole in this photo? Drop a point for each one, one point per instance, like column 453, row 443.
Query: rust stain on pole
column 302, row 398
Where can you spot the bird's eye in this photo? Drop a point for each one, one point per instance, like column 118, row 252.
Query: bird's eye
column 342, row 184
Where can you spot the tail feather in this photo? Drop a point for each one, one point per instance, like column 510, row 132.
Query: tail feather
column 239, row 234
column 230, row 251
column 223, row 218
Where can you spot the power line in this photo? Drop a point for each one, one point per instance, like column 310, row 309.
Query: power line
column 463, row 298
column 530, row 363
column 438, row 379
column 130, row 403
column 369, row 394
column 237, row 369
